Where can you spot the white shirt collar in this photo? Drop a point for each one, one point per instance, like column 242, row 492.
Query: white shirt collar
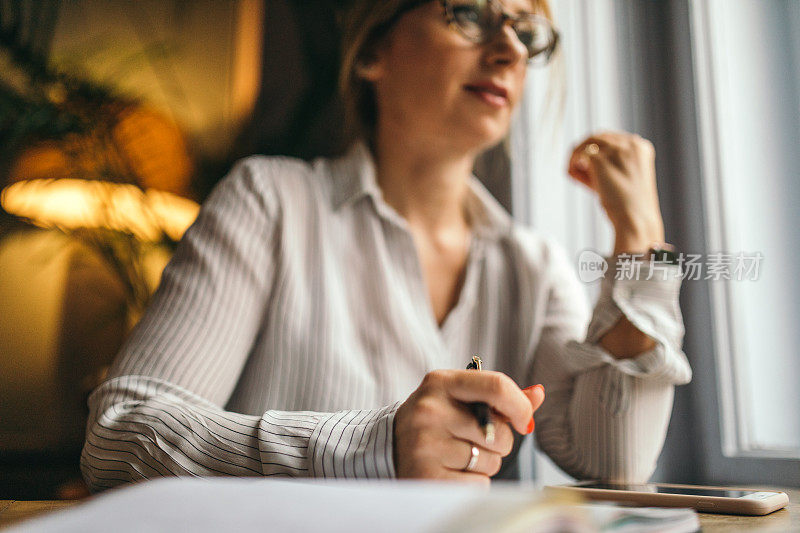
column 354, row 178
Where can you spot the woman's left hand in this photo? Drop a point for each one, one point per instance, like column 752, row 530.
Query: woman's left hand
column 620, row 168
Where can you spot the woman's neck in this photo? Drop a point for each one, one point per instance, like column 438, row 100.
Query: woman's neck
column 426, row 185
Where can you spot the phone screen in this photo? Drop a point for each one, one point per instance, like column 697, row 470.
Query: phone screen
column 670, row 490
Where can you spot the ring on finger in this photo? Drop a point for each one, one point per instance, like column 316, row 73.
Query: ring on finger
column 591, row 149
column 473, row 459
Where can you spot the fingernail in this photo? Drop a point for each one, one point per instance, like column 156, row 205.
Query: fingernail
column 537, row 386
column 531, row 424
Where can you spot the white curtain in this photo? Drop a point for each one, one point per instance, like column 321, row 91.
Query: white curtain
column 749, row 113
column 542, row 137
column 586, row 81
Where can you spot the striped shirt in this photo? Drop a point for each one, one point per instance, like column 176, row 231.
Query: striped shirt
column 294, row 319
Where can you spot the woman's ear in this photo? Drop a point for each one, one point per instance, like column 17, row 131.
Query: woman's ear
column 371, row 64
column 369, row 69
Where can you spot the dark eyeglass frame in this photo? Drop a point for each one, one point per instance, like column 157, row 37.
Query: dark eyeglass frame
column 540, row 58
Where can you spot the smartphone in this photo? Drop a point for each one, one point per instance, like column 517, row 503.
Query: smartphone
column 726, row 500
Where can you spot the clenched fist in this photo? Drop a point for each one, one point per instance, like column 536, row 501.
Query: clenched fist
column 620, row 168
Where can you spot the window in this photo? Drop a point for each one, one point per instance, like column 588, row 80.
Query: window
column 747, row 59
column 716, row 86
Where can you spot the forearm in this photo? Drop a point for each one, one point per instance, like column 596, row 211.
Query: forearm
column 633, row 236
column 624, row 340
column 605, row 416
column 142, row 428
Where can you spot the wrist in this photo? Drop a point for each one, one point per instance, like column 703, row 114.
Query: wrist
column 634, row 246
column 637, row 238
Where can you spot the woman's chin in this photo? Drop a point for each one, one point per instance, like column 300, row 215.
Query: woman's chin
column 486, row 137
column 488, row 131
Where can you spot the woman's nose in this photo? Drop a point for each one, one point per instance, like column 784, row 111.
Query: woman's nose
column 505, row 48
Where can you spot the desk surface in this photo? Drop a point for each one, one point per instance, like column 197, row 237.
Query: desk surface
column 787, row 519
column 12, row 511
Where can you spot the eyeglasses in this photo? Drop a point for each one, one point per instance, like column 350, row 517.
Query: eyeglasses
column 479, row 21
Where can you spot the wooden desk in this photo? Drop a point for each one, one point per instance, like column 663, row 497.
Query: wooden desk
column 787, row 519
column 13, row 511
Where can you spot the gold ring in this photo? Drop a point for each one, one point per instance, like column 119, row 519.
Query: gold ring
column 473, row 460
column 591, row 149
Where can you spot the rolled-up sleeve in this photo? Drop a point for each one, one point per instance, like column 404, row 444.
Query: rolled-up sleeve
column 606, row 418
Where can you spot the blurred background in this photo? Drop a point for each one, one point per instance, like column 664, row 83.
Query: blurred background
column 118, row 118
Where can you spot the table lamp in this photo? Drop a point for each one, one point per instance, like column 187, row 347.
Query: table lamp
column 114, row 200
column 109, row 176
column 70, row 204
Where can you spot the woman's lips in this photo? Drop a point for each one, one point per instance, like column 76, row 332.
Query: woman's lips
column 494, row 100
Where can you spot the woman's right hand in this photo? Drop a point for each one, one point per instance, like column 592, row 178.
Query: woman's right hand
column 434, row 429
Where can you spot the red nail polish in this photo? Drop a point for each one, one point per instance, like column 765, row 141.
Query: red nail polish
column 538, row 385
column 531, row 424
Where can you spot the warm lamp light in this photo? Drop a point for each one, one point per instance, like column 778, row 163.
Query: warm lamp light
column 75, row 203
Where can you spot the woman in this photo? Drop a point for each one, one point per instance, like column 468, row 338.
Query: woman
column 317, row 318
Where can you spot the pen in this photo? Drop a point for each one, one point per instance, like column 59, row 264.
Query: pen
column 481, row 409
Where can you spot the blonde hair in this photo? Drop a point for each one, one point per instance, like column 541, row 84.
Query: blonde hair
column 365, row 27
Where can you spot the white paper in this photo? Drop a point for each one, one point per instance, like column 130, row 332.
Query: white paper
column 256, row 504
